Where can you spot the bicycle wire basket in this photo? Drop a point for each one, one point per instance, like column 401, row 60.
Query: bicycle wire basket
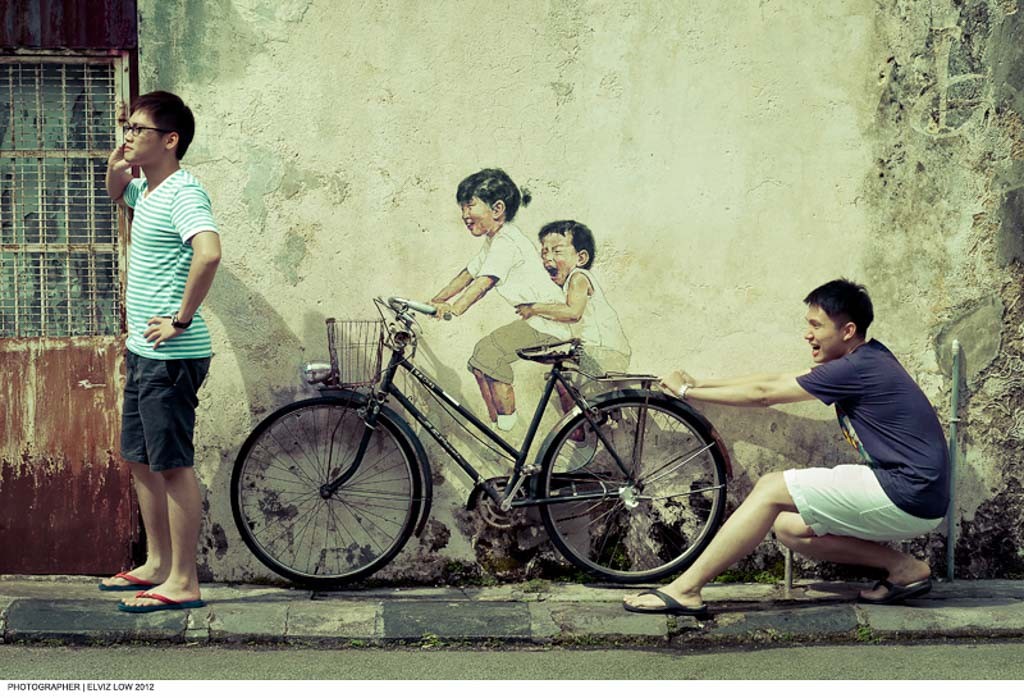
column 356, row 348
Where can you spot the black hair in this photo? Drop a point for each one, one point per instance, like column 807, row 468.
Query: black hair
column 170, row 113
column 491, row 186
column 582, row 238
column 844, row 301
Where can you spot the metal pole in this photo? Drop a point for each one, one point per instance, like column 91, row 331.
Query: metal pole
column 789, row 572
column 954, row 420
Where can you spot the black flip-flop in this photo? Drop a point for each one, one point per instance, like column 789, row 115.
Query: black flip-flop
column 898, row 593
column 671, row 607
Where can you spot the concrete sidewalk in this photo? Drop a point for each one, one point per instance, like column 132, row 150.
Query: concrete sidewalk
column 71, row 610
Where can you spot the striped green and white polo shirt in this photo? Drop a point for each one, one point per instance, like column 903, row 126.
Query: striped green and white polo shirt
column 159, row 260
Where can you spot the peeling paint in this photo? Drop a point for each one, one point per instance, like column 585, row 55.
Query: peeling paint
column 979, row 331
column 61, row 481
column 898, row 161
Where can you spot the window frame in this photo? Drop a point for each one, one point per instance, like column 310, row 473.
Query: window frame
column 121, row 63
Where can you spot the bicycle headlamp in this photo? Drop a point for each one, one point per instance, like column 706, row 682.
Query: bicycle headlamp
column 316, row 371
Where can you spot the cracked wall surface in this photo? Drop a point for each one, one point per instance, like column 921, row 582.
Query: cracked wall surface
column 728, row 156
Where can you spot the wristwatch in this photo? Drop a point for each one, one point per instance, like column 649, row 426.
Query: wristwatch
column 178, row 324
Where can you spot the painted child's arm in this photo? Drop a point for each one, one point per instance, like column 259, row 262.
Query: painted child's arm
column 570, row 311
column 476, row 290
column 460, row 282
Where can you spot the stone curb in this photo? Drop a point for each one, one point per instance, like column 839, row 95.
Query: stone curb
column 71, row 613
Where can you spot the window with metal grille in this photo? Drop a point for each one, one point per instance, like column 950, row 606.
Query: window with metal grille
column 59, row 248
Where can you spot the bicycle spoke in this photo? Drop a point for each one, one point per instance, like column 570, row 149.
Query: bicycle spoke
column 302, row 532
column 359, row 522
column 607, row 532
column 694, row 454
column 276, row 493
column 286, row 529
column 367, row 469
column 298, row 467
column 288, row 426
column 687, row 493
column 377, row 497
column 294, row 470
column 329, row 467
column 654, row 521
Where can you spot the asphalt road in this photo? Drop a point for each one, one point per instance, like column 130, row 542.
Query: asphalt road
column 949, row 661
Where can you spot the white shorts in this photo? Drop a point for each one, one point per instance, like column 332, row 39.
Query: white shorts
column 848, row 501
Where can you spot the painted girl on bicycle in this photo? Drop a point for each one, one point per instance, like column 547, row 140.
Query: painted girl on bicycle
column 507, row 262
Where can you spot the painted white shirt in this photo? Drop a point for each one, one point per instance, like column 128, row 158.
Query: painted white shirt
column 599, row 328
column 511, row 258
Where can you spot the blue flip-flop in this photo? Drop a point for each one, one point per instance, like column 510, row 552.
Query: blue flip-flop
column 166, row 604
column 671, row 607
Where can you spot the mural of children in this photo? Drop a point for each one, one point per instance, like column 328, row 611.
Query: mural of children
column 568, row 252
column 508, row 263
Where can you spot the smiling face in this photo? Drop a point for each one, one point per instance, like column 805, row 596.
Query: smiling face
column 560, row 257
column 481, row 218
column 829, row 340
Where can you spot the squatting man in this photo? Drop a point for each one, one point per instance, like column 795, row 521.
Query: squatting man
column 846, row 513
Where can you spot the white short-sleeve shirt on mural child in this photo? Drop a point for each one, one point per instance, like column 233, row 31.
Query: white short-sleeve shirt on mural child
column 599, row 328
column 511, row 258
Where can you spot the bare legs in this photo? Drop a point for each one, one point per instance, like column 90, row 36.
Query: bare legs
column 171, row 506
column 499, row 397
column 741, row 533
column 771, row 505
column 902, row 568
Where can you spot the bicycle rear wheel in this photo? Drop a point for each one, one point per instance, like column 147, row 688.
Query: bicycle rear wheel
column 646, row 515
column 313, row 537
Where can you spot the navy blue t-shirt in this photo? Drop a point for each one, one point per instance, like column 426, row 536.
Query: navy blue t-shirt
column 889, row 420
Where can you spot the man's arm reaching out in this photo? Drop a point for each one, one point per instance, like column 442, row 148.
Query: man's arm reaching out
column 749, row 391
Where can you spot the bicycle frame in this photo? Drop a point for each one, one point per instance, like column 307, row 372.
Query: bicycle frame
column 521, row 470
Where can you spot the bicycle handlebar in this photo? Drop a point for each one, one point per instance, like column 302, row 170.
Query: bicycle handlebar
column 400, row 304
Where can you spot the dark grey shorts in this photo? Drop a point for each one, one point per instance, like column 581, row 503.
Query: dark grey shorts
column 159, row 413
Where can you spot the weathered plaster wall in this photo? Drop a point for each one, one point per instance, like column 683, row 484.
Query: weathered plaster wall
column 728, row 156
column 949, row 171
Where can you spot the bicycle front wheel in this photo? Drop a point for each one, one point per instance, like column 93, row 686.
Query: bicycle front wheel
column 639, row 498
column 296, row 525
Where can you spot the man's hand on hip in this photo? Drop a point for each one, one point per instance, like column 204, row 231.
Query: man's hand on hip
column 160, row 330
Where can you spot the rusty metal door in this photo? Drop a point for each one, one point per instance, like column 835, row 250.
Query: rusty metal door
column 66, row 501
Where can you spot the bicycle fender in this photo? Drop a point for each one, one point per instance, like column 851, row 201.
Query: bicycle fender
column 653, row 397
column 417, row 446
column 555, row 430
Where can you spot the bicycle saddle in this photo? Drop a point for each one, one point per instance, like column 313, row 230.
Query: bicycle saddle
column 552, row 353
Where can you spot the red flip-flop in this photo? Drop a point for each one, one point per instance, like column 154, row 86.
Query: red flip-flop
column 166, row 604
column 135, row 584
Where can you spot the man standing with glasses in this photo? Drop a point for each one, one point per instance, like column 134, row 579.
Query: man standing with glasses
column 175, row 251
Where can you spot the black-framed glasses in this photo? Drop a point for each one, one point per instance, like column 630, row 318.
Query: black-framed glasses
column 136, row 130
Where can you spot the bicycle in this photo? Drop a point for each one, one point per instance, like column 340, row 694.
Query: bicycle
column 630, row 484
